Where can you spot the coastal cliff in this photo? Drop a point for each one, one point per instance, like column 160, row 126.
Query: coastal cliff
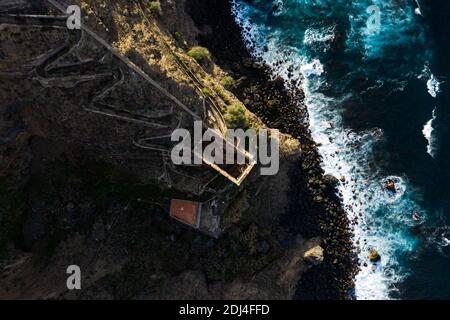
column 316, row 210
column 77, row 190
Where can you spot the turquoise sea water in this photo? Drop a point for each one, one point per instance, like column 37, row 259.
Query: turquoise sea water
column 377, row 104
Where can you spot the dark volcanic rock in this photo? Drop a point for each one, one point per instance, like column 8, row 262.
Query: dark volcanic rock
column 315, row 209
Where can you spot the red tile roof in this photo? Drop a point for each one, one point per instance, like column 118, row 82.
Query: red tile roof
column 185, row 211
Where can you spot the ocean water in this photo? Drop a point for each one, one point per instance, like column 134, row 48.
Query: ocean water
column 377, row 97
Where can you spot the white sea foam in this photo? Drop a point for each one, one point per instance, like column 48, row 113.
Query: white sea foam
column 321, row 35
column 346, row 155
column 433, row 86
column 440, row 237
column 418, row 11
column 312, row 68
column 428, row 134
column 279, row 5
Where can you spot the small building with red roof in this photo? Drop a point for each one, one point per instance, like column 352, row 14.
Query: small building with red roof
column 185, row 211
column 202, row 216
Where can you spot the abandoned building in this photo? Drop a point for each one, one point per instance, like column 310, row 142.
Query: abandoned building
column 202, row 216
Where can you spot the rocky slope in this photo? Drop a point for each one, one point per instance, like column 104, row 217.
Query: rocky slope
column 77, row 190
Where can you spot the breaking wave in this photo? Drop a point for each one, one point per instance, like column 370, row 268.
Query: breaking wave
column 428, row 134
column 293, row 37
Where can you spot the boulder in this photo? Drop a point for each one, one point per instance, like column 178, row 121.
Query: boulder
column 390, row 186
column 314, row 255
column 374, row 256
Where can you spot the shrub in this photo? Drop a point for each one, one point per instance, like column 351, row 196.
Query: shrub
column 228, row 82
column 235, row 116
column 200, row 54
column 155, row 7
column 221, row 93
column 207, row 92
column 177, row 35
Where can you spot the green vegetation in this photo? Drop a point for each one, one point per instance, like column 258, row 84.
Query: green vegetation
column 200, row 54
column 228, row 82
column 222, row 94
column 235, row 116
column 207, row 92
column 155, row 7
column 177, row 35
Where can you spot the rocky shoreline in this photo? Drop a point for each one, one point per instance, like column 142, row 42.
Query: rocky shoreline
column 83, row 197
column 315, row 209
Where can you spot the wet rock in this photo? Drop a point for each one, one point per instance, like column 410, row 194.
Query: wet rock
column 390, row 186
column 314, row 255
column 319, row 206
column 374, row 256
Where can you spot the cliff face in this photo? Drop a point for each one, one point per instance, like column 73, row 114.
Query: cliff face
column 315, row 210
column 81, row 186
